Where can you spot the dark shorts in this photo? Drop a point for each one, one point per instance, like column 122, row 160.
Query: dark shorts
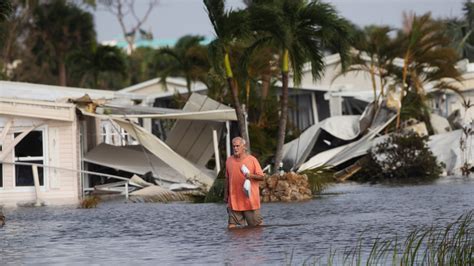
column 243, row 218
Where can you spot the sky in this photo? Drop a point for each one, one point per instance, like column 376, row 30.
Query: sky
column 172, row 19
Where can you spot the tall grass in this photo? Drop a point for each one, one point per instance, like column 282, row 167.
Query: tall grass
column 450, row 245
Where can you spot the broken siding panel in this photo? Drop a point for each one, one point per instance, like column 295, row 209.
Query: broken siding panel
column 174, row 136
column 203, row 158
column 193, row 139
column 203, row 148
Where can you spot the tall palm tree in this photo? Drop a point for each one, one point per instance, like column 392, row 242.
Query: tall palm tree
column 60, row 28
column 189, row 59
column 300, row 30
column 374, row 54
column 89, row 64
column 427, row 58
column 229, row 27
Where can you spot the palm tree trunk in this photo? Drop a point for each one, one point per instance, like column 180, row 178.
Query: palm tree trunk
column 265, row 90
column 239, row 111
column 265, row 85
column 404, row 80
column 282, row 122
column 284, row 110
column 374, row 88
column 188, row 86
column 235, row 98
column 62, row 73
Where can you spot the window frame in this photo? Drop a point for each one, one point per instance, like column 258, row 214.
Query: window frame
column 43, row 187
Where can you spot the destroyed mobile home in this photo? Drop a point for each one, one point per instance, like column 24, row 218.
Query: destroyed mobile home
column 339, row 141
column 59, row 143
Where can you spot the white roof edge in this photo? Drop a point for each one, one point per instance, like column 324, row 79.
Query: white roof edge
column 140, row 85
column 169, row 80
column 170, row 92
column 55, row 87
column 56, row 92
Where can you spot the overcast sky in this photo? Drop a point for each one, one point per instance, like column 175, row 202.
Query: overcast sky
column 172, row 19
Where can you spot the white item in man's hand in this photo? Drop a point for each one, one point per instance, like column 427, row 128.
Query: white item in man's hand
column 244, row 170
column 247, row 187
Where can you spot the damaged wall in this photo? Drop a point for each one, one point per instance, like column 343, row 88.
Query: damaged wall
column 54, row 143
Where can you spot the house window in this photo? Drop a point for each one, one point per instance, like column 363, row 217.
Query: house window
column 301, row 111
column 29, row 150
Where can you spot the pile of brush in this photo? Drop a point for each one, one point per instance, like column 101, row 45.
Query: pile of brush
column 287, row 187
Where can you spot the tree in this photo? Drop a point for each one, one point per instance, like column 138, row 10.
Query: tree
column 121, row 9
column 58, row 29
column 427, row 58
column 89, row 64
column 300, row 31
column 229, row 27
column 12, row 31
column 375, row 52
column 189, row 60
column 461, row 33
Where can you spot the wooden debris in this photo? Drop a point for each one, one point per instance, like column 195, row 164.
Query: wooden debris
column 287, row 188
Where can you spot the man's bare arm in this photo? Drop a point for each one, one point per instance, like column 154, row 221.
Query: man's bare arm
column 256, row 177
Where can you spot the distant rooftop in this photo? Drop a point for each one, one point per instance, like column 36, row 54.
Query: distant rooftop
column 155, row 43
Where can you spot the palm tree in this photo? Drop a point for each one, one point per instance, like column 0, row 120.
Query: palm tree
column 300, row 31
column 89, row 64
column 229, row 27
column 461, row 32
column 189, row 59
column 374, row 54
column 427, row 58
column 61, row 27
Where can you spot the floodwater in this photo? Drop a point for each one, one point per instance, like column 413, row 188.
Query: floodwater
column 185, row 233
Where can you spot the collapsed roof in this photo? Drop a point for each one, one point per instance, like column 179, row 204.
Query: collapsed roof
column 184, row 154
column 350, row 133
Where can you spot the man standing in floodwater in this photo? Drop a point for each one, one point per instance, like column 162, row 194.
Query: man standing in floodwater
column 243, row 208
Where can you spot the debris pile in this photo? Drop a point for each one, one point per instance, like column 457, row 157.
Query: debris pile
column 287, row 187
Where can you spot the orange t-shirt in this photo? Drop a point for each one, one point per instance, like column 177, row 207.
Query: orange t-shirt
column 237, row 200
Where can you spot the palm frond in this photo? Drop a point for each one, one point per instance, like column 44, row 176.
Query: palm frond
column 216, row 12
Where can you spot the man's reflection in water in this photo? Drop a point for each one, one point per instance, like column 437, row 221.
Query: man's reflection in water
column 247, row 243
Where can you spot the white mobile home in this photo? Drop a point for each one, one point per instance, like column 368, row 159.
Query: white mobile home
column 50, row 137
column 38, row 126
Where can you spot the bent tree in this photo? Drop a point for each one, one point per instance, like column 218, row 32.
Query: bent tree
column 229, row 27
column 300, row 30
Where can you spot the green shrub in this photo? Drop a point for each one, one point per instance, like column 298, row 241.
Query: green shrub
column 319, row 178
column 402, row 157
